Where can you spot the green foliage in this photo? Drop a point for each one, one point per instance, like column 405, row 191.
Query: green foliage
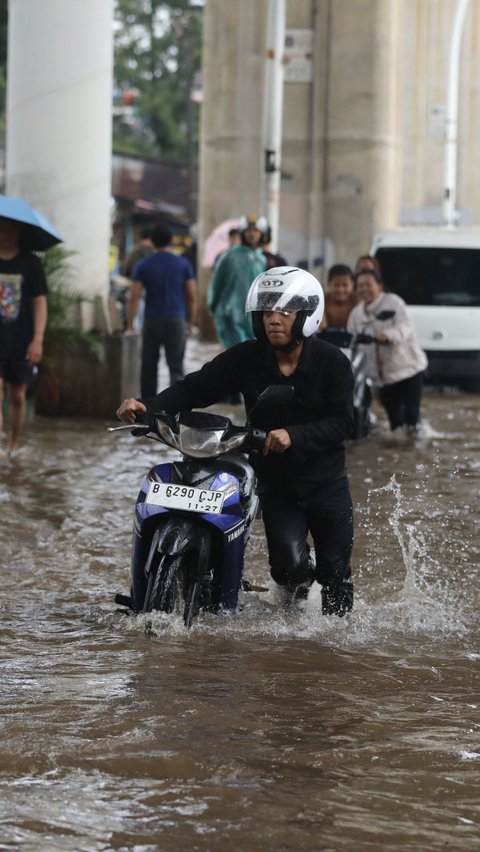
column 63, row 326
column 157, row 56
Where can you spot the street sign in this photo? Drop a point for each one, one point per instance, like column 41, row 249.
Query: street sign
column 298, row 56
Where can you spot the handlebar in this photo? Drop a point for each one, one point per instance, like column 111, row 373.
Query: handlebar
column 206, row 436
column 247, row 438
column 347, row 339
column 362, row 337
column 144, row 422
column 256, row 440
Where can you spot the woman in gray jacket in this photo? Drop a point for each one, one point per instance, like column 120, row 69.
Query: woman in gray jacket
column 397, row 364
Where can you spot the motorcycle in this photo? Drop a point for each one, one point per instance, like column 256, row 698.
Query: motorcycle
column 364, row 421
column 193, row 517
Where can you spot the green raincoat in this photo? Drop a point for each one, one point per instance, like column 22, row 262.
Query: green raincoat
column 227, row 293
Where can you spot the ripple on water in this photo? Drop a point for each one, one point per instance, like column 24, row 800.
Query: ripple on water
column 266, row 729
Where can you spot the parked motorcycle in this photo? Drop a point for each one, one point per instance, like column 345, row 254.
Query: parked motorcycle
column 364, row 421
column 193, row 517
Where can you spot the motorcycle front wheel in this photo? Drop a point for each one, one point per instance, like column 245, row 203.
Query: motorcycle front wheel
column 170, row 589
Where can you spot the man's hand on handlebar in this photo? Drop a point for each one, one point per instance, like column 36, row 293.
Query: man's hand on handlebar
column 128, row 410
column 277, row 441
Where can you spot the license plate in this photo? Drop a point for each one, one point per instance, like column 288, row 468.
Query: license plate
column 185, row 497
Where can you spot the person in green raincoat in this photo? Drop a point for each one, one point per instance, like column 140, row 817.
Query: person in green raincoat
column 231, row 280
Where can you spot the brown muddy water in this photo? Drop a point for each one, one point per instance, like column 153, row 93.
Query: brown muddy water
column 267, row 730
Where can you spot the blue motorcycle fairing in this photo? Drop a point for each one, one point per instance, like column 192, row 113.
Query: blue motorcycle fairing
column 181, row 530
column 174, row 539
column 179, row 534
column 219, row 482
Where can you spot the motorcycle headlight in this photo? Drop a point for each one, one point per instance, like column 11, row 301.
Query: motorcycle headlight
column 201, row 443
column 167, row 434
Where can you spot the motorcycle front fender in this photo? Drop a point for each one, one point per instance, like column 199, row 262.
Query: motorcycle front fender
column 177, row 535
column 172, row 536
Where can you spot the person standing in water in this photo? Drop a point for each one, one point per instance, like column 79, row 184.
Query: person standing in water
column 396, row 362
column 23, row 319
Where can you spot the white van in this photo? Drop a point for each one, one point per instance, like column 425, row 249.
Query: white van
column 437, row 272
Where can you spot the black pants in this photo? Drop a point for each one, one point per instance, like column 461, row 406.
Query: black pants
column 401, row 401
column 169, row 333
column 329, row 519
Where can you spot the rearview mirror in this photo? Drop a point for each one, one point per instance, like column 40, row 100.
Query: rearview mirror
column 273, row 395
column 276, row 395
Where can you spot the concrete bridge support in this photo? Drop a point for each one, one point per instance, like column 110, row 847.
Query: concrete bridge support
column 59, row 96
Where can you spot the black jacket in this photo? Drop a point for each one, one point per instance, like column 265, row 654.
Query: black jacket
column 318, row 420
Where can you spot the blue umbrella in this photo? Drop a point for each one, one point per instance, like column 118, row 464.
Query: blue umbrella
column 37, row 234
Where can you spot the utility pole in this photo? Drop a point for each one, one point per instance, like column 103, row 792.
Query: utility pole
column 273, row 113
column 450, row 214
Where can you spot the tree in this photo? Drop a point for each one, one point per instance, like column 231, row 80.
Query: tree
column 157, row 57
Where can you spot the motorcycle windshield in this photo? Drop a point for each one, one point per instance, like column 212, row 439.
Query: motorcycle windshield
column 202, row 443
column 200, row 434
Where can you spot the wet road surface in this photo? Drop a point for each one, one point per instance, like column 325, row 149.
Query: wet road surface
column 268, row 730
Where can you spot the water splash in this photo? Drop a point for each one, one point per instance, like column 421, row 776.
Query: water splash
column 404, row 591
column 411, row 542
column 419, row 591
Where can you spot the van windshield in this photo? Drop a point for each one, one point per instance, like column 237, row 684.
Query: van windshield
column 432, row 276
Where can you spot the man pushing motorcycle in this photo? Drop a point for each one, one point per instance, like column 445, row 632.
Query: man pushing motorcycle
column 301, row 473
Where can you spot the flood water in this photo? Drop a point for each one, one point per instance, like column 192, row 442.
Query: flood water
column 266, row 730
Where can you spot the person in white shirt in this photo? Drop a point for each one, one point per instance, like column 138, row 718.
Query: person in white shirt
column 396, row 361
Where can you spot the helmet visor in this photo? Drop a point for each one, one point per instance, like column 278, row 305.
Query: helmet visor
column 287, row 303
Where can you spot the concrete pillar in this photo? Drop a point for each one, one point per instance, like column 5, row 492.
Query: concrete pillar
column 58, row 147
column 361, row 125
column 342, row 123
column 231, row 120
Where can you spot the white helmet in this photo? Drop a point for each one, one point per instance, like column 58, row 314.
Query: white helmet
column 287, row 288
column 258, row 222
